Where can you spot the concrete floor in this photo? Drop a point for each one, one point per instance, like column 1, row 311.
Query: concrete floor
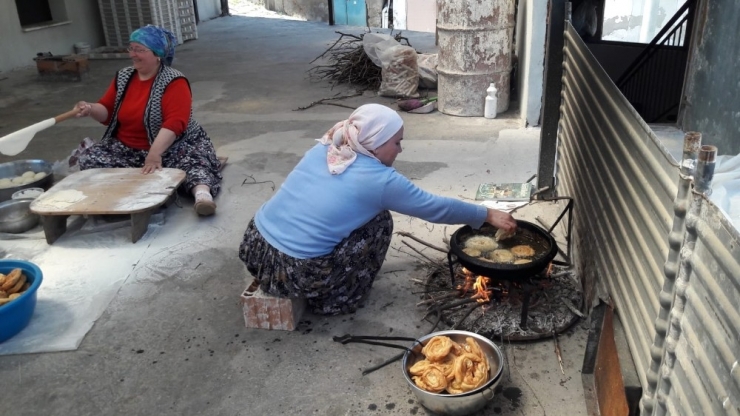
column 173, row 340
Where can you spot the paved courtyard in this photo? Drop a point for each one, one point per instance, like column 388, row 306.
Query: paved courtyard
column 156, row 327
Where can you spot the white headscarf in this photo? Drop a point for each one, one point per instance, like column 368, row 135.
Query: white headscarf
column 366, row 129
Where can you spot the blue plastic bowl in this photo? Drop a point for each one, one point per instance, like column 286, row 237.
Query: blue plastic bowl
column 15, row 315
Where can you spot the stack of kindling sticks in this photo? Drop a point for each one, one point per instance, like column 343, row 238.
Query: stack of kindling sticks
column 349, row 64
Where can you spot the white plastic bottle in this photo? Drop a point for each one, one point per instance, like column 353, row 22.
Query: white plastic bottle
column 489, row 111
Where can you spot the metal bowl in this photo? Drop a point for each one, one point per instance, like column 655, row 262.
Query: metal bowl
column 17, row 168
column 457, row 404
column 28, row 193
column 16, row 217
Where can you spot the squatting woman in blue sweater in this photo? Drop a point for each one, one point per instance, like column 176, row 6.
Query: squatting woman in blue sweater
column 324, row 235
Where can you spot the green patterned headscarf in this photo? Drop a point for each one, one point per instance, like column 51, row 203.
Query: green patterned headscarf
column 161, row 41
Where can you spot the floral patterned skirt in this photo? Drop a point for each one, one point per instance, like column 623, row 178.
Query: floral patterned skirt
column 194, row 155
column 331, row 284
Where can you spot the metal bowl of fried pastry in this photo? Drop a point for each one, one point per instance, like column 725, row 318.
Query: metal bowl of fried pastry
column 453, row 372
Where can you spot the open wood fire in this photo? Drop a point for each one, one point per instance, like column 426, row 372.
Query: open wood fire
column 479, row 284
column 534, row 308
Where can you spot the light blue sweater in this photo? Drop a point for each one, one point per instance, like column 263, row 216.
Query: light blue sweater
column 313, row 210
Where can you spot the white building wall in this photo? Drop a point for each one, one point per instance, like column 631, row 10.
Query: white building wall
column 208, row 9
column 399, row 14
column 421, row 15
column 19, row 47
column 531, row 29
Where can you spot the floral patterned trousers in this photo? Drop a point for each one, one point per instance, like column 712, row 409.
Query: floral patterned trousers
column 331, row 284
column 195, row 155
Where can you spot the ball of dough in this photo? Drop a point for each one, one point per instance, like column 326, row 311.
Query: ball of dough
column 39, row 175
column 28, row 174
column 17, row 180
column 28, row 180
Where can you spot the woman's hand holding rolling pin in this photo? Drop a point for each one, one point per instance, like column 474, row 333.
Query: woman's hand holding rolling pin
column 83, row 109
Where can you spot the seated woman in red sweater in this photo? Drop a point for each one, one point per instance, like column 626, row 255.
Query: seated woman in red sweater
column 148, row 111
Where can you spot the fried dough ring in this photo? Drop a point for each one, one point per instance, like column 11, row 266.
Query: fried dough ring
column 432, row 379
column 18, row 285
column 464, row 364
column 501, row 256
column 418, row 368
column 472, row 347
column 437, row 348
column 477, row 377
column 480, row 242
column 455, row 387
column 471, row 369
column 456, row 350
column 472, row 252
column 456, row 368
column 503, row 235
column 467, row 375
column 11, row 279
column 448, row 366
column 523, row 250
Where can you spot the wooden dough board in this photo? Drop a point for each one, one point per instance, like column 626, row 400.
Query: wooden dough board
column 118, row 191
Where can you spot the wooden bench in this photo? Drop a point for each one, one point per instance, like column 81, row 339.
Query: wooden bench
column 120, row 191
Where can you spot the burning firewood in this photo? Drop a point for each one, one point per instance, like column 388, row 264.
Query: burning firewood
column 495, row 307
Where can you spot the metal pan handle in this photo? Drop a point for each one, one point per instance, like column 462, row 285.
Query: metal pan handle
column 352, row 338
column 346, row 339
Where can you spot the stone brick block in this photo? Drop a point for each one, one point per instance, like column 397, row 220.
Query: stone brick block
column 270, row 312
column 66, row 67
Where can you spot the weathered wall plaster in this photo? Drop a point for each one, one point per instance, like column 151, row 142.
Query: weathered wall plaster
column 19, row 47
column 712, row 103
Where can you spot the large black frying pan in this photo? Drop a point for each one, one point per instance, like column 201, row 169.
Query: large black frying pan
column 527, row 233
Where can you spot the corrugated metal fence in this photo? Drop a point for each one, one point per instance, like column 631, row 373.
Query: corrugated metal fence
column 632, row 201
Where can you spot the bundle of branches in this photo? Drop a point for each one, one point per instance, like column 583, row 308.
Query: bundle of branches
column 349, row 64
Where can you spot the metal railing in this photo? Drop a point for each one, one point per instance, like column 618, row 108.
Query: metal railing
column 653, row 82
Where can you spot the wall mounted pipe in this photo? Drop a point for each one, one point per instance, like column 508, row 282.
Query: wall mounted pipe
column 702, row 188
column 691, row 145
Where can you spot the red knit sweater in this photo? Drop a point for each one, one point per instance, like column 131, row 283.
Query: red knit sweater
column 176, row 104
